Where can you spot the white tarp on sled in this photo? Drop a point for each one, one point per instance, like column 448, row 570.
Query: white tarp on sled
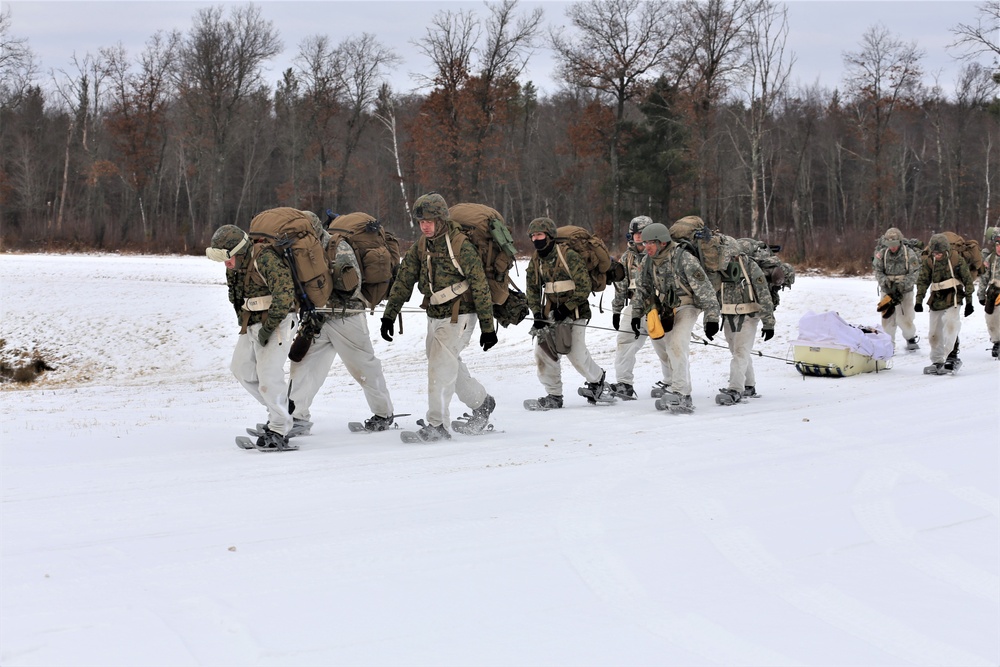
column 829, row 346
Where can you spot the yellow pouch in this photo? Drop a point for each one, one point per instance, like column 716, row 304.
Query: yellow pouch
column 653, row 325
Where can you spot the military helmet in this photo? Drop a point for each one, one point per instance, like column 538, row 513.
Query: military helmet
column 939, row 243
column 227, row 241
column 324, row 236
column 992, row 234
column 430, row 206
column 656, row 232
column 542, row 226
column 639, row 223
column 892, row 234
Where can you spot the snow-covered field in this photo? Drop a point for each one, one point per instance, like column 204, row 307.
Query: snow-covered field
column 849, row 521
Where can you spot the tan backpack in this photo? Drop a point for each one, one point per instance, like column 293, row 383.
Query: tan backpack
column 967, row 250
column 376, row 249
column 593, row 251
column 485, row 228
column 292, row 235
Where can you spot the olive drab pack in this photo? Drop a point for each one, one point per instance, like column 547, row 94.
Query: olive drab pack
column 377, row 252
column 292, row 235
column 969, row 250
column 487, row 231
column 780, row 275
column 593, row 251
column 716, row 252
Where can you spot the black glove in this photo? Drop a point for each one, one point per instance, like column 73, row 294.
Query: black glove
column 488, row 339
column 561, row 313
column 711, row 328
column 540, row 323
column 636, row 323
column 982, row 302
column 968, row 307
column 616, row 320
column 767, row 334
column 264, row 335
column 388, row 329
column 918, row 307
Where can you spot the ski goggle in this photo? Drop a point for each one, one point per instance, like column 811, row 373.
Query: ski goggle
column 221, row 254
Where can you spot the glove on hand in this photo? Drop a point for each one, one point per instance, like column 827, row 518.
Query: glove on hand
column 767, row 334
column 487, row 339
column 264, row 335
column 616, row 320
column 636, row 323
column 711, row 328
column 982, row 302
column 388, row 329
column 918, row 307
column 541, row 323
column 968, row 307
column 561, row 313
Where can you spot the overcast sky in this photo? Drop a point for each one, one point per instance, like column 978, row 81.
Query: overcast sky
column 820, row 30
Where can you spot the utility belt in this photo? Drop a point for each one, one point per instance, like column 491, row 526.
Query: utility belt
column 456, row 293
column 740, row 308
column 559, row 286
column 251, row 305
column 950, row 283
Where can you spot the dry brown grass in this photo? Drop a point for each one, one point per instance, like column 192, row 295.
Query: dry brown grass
column 21, row 366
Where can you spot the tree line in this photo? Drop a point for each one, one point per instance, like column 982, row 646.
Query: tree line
column 665, row 109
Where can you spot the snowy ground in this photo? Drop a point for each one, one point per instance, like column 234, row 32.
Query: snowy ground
column 831, row 522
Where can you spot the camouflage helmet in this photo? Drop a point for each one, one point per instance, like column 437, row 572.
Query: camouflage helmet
column 939, row 243
column 656, row 232
column 227, row 241
column 639, row 223
column 892, row 236
column 431, row 206
column 992, row 235
column 324, row 236
column 542, row 226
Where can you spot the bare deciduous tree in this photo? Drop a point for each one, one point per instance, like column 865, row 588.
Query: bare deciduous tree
column 616, row 48
column 18, row 66
column 983, row 37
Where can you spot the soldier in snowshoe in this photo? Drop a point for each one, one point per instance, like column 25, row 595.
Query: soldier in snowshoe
column 622, row 307
column 896, row 266
column 989, row 288
column 263, row 295
column 343, row 332
column 949, row 283
column 558, row 287
column 674, row 283
column 447, row 270
column 745, row 302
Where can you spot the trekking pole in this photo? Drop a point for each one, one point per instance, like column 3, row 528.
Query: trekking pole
column 695, row 338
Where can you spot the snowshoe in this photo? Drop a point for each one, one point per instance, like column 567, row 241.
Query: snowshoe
column 728, row 397
column 269, row 441
column 624, row 391
column 549, row 402
column 952, row 364
column 750, row 392
column 597, row 392
column 996, row 351
column 675, row 403
column 935, row 369
column 479, row 420
column 911, row 344
column 659, row 389
column 300, row 427
column 427, row 433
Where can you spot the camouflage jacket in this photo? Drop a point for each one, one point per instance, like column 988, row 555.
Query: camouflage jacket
column 625, row 289
column 343, row 301
column 989, row 275
column 932, row 273
column 551, row 270
column 261, row 272
column 442, row 273
column 896, row 272
column 738, row 297
column 672, row 278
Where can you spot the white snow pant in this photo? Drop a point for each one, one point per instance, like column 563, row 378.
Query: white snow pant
column 348, row 337
column 740, row 346
column 678, row 343
column 447, row 374
column 550, row 370
column 993, row 325
column 942, row 332
column 261, row 370
column 629, row 345
column 902, row 318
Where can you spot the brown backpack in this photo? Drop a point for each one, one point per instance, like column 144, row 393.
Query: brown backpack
column 593, row 251
column 292, row 235
column 376, row 249
column 485, row 228
column 968, row 250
